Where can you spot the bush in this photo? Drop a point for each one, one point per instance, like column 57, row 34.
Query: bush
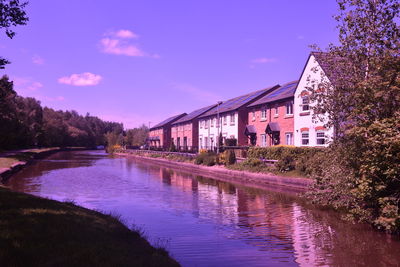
column 206, row 158
column 290, row 157
column 230, row 157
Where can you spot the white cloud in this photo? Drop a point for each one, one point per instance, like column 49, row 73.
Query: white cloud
column 262, row 60
column 117, row 43
column 82, row 79
column 200, row 94
column 125, row 34
column 37, row 60
column 300, row 37
column 26, row 84
column 118, row 47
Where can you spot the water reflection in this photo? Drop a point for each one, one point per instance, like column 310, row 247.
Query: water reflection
column 209, row 222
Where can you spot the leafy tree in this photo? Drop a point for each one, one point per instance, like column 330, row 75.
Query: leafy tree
column 12, row 13
column 361, row 97
column 137, row 136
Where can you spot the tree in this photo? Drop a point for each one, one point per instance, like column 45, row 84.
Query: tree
column 137, row 136
column 12, row 13
column 362, row 100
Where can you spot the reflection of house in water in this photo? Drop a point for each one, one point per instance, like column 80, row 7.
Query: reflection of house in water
column 307, row 235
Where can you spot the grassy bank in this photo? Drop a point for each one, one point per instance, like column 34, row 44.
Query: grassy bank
column 42, row 232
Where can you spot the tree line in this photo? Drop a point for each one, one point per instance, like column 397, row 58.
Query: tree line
column 25, row 123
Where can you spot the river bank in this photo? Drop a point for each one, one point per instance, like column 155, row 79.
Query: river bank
column 260, row 180
column 13, row 161
column 41, row 232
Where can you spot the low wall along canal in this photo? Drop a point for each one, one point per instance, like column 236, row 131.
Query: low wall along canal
column 205, row 221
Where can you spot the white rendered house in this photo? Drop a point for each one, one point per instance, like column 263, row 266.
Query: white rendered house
column 233, row 119
column 310, row 130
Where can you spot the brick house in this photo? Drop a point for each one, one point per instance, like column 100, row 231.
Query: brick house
column 232, row 121
column 271, row 118
column 185, row 131
column 160, row 134
column 310, row 130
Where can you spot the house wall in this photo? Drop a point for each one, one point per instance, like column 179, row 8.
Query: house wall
column 157, row 133
column 228, row 129
column 181, row 131
column 303, row 120
column 285, row 121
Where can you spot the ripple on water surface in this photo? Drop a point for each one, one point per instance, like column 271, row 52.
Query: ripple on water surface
column 205, row 222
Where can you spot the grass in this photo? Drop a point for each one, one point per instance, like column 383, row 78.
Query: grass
column 41, row 232
column 7, row 162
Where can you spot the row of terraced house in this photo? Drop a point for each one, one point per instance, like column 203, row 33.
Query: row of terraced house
column 281, row 114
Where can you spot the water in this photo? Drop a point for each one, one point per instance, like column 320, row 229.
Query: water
column 206, row 222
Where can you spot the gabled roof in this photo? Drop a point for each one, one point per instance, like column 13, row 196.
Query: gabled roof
column 169, row 120
column 237, row 102
column 335, row 67
column 285, row 91
column 194, row 114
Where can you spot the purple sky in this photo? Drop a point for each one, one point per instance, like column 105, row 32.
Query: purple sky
column 141, row 61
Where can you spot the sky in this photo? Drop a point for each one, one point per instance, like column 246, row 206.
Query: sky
column 139, row 62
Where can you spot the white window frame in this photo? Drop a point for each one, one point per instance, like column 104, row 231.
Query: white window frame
column 263, row 139
column 253, row 117
column 304, row 139
column 232, row 119
column 263, row 113
column 276, row 112
column 320, row 138
column 225, row 120
column 289, row 138
column 289, row 108
column 305, row 103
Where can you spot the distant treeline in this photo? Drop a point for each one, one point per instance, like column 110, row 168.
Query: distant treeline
column 25, row 123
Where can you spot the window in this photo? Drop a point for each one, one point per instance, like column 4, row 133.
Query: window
column 212, row 122
column 224, row 120
column 206, row 142
column 263, row 140
column 276, row 111
column 201, row 142
column 320, row 138
column 253, row 115
column 304, row 138
column 289, row 138
column 305, row 103
column 233, row 119
column 207, row 124
column 264, row 113
column 289, row 108
column 217, row 123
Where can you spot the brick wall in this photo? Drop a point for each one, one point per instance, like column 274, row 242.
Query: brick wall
column 285, row 121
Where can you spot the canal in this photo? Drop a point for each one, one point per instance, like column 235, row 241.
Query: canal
column 206, row 222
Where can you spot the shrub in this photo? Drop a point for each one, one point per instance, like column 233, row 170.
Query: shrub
column 289, row 157
column 230, row 157
column 206, row 158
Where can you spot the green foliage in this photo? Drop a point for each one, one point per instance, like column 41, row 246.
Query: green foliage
column 137, row 136
column 24, row 123
column 12, row 14
column 362, row 173
column 172, row 147
column 206, row 158
column 114, row 141
column 289, row 157
column 230, row 157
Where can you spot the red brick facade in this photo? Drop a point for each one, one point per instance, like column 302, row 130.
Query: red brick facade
column 185, row 135
column 275, row 112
